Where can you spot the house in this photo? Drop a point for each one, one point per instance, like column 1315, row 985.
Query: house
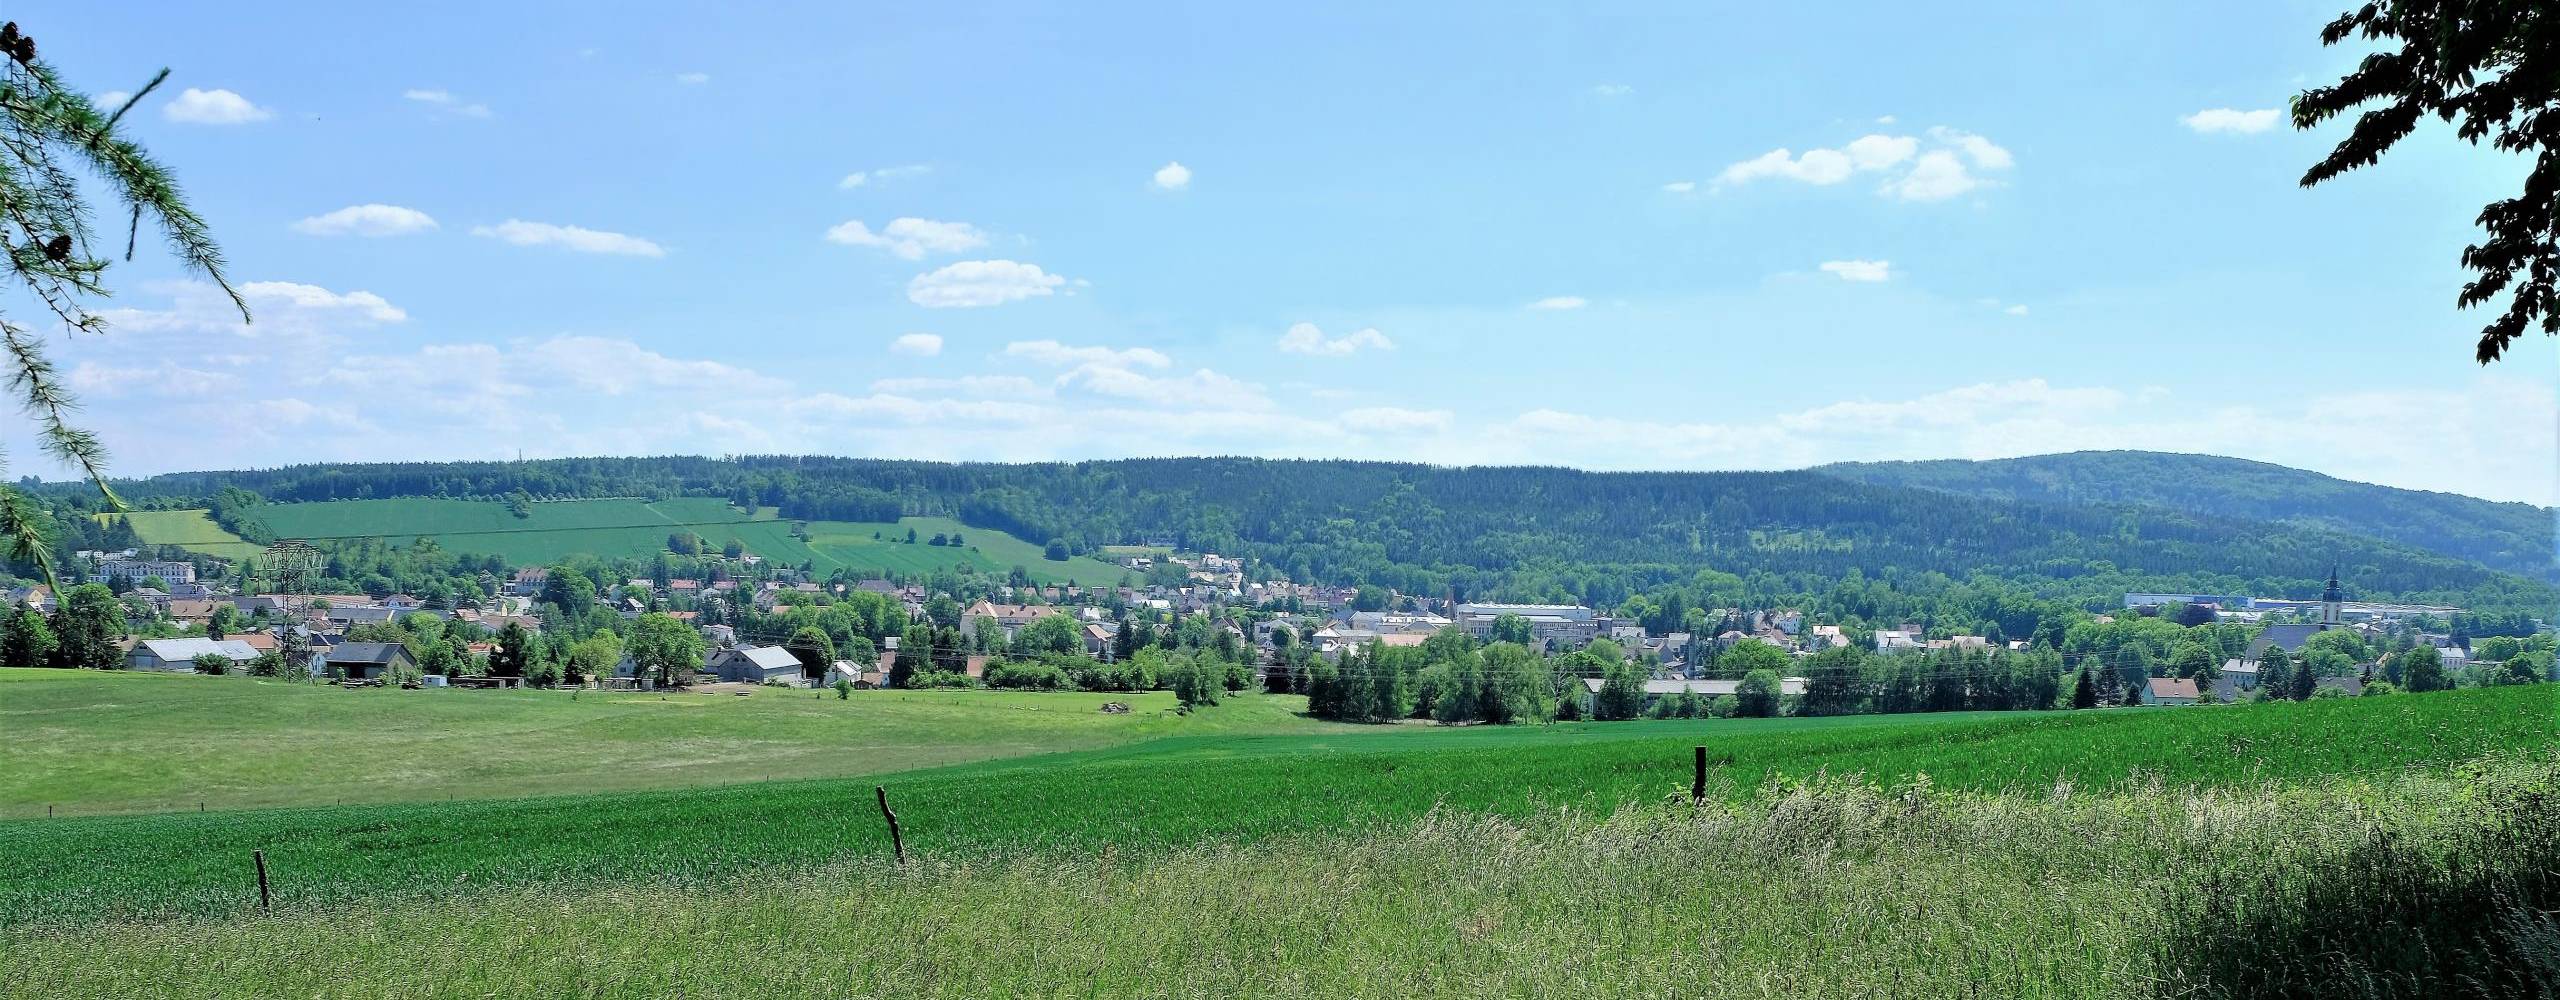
column 1098, row 640
column 179, row 655
column 363, row 661
column 2289, row 638
column 2242, row 674
column 1009, row 617
column 2170, row 691
column 755, row 665
column 1894, row 640
column 528, row 582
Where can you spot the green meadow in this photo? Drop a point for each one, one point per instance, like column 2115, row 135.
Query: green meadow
column 84, row 742
column 629, row 528
column 851, row 543
column 2400, row 846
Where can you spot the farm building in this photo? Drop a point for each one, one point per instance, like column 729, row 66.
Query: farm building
column 179, row 655
column 363, row 661
column 755, row 665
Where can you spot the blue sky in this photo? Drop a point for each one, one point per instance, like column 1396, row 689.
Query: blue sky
column 1648, row 237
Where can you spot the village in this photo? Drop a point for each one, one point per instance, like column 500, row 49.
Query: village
column 749, row 628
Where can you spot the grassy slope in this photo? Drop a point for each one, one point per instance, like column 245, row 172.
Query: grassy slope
column 1186, row 791
column 849, row 543
column 87, row 742
column 610, row 528
column 191, row 528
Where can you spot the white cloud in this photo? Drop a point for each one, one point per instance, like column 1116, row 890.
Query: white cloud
column 972, row 283
column 693, row 79
column 1877, row 152
column 1305, row 338
column 2233, row 120
column 1560, row 302
column 1859, row 270
column 2018, row 310
column 1050, row 352
column 1612, row 90
column 108, row 102
column 166, row 379
column 313, row 297
column 921, row 345
column 373, row 219
column 1397, row 420
column 973, row 385
column 582, row 240
column 213, row 107
column 910, row 238
column 1200, row 388
column 859, row 178
column 1937, row 176
column 1984, row 153
column 1173, row 177
column 1816, row 166
column 444, row 101
column 1884, row 119
column 1943, row 163
column 1681, row 187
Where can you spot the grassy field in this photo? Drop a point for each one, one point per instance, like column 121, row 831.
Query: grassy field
column 1184, row 791
column 629, row 528
column 850, row 543
column 2401, row 886
column 191, row 528
column 2400, row 846
column 89, row 742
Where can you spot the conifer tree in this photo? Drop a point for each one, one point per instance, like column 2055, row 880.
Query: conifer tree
column 51, row 136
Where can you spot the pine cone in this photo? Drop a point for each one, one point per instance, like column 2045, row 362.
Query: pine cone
column 59, row 248
column 9, row 35
column 26, row 51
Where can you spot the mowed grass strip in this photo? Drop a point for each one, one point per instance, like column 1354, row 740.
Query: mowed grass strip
column 1193, row 791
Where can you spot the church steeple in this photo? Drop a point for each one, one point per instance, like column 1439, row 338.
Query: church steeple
column 2330, row 598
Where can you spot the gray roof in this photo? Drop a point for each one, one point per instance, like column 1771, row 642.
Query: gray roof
column 767, row 657
column 365, row 652
column 174, row 650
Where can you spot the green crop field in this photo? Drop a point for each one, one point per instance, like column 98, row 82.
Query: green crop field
column 193, row 529
column 2293, row 849
column 632, row 528
column 850, row 543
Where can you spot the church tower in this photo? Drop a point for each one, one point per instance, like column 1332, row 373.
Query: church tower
column 2330, row 598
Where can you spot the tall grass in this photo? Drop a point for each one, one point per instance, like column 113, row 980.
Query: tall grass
column 1824, row 887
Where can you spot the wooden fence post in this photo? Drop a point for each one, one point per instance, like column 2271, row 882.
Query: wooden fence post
column 264, row 900
column 896, row 843
column 1698, row 784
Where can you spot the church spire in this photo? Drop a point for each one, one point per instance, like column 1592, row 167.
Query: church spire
column 2330, row 599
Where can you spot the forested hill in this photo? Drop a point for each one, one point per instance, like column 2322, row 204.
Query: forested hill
column 2514, row 537
column 1503, row 533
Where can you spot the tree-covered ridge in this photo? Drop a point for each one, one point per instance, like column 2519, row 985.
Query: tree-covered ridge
column 1521, row 533
column 2514, row 537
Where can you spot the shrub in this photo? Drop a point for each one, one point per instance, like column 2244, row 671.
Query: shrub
column 213, row 663
column 1027, row 676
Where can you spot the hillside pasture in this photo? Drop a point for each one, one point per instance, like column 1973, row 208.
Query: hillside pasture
column 987, row 552
column 192, row 529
